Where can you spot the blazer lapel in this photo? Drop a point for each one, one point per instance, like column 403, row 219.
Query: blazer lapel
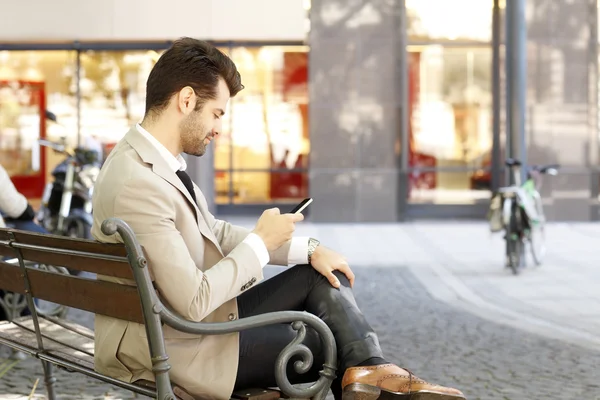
column 150, row 155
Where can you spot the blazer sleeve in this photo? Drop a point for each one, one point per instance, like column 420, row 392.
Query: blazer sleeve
column 150, row 212
column 230, row 236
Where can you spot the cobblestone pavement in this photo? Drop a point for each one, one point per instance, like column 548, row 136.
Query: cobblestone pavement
column 438, row 342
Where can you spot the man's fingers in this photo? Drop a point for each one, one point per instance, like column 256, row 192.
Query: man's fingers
column 345, row 269
column 297, row 217
column 350, row 275
column 333, row 280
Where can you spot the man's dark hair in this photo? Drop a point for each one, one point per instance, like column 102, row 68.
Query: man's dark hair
column 194, row 63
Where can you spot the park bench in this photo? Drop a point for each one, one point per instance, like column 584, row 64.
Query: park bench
column 70, row 346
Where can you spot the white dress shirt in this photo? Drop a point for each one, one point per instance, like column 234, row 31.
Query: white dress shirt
column 298, row 253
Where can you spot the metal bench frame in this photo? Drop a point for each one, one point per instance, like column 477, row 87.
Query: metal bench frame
column 156, row 314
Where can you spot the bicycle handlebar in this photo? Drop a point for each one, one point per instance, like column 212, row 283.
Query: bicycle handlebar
column 551, row 169
column 55, row 146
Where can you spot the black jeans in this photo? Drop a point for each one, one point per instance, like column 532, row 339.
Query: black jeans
column 301, row 288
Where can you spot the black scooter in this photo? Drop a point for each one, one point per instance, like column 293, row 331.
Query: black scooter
column 66, row 207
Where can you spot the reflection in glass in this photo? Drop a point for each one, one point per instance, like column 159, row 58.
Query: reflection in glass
column 113, row 92
column 265, row 128
column 20, row 126
column 445, row 187
column 450, row 20
column 261, row 187
column 54, row 72
column 266, row 125
column 450, row 110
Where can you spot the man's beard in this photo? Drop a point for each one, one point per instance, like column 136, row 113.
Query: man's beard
column 192, row 143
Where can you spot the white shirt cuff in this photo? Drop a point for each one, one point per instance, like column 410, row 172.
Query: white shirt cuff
column 257, row 244
column 298, row 250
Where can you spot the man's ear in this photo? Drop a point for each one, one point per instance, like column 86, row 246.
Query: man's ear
column 186, row 100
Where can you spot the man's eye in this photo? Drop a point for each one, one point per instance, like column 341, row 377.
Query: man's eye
column 217, row 116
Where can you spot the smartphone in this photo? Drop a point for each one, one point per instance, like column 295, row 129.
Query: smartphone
column 303, row 204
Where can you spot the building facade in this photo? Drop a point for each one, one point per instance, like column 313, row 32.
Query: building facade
column 381, row 111
column 402, row 102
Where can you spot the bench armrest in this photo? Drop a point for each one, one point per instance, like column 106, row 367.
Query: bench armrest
column 298, row 320
column 155, row 312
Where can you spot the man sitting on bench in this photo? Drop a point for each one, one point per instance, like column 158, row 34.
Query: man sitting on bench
column 208, row 270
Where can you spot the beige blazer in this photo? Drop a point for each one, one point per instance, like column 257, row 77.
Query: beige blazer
column 199, row 265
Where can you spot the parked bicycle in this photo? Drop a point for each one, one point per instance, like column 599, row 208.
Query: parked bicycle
column 518, row 210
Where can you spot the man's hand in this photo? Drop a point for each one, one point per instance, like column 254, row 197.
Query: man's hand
column 275, row 228
column 325, row 261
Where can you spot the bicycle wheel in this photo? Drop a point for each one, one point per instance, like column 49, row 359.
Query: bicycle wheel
column 537, row 235
column 514, row 241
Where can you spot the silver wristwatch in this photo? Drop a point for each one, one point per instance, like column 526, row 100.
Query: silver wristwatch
column 312, row 246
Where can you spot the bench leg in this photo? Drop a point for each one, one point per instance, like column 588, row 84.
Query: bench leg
column 49, row 380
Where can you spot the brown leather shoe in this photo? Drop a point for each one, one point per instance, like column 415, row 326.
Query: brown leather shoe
column 389, row 381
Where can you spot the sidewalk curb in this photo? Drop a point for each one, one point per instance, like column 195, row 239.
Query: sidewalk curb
column 445, row 287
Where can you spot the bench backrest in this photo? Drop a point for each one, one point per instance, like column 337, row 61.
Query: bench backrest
column 96, row 296
column 123, row 301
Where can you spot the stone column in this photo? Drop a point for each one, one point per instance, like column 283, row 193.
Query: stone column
column 354, row 113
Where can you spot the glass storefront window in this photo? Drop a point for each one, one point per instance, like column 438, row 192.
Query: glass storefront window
column 113, row 93
column 451, row 103
column 20, row 126
column 448, row 187
column 56, row 69
column 450, row 20
column 450, row 110
column 33, row 81
column 261, row 155
column 265, row 134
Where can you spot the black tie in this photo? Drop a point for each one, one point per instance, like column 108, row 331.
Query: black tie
column 187, row 182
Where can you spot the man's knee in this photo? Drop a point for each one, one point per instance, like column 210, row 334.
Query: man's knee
column 311, row 273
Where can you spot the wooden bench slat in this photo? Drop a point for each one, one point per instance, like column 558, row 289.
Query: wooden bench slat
column 69, row 243
column 59, row 334
column 10, row 278
column 59, row 251
column 256, row 394
column 10, row 332
column 6, row 251
column 99, row 297
column 119, row 269
column 73, row 327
